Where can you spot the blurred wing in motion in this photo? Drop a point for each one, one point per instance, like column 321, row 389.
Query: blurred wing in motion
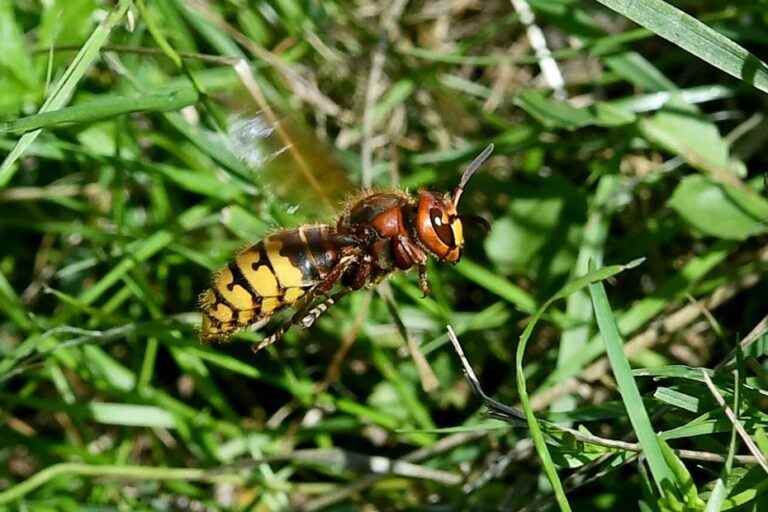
column 287, row 158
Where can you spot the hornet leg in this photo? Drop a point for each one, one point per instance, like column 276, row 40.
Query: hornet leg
column 305, row 318
column 309, row 319
column 424, row 281
column 280, row 331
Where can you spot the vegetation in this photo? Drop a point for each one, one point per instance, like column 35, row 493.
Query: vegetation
column 619, row 297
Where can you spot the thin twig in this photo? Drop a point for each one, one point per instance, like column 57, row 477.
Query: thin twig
column 377, row 465
column 586, row 437
column 736, row 423
column 549, row 68
column 332, row 457
column 501, row 86
column 581, row 477
column 390, row 18
column 304, row 89
column 710, row 318
column 50, row 192
column 371, row 94
column 443, row 445
column 502, row 411
column 143, row 50
column 522, row 450
column 243, row 70
column 427, row 376
column 755, row 334
column 347, row 340
column 495, row 408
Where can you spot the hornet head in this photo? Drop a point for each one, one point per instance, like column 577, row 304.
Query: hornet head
column 438, row 224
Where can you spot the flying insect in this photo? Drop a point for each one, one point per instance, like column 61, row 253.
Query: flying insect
column 377, row 234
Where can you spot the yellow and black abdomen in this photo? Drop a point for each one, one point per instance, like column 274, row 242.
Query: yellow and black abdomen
column 266, row 277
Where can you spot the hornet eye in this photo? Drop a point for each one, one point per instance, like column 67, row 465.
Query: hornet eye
column 443, row 230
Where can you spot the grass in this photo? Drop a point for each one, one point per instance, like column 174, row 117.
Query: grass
column 121, row 190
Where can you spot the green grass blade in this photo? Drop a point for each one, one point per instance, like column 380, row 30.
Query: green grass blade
column 638, row 415
column 695, row 37
column 717, row 498
column 102, row 108
column 12, row 306
column 579, row 305
column 647, row 308
column 138, row 253
column 143, row 252
column 504, row 288
column 677, row 399
column 123, row 472
column 66, row 85
column 536, row 433
column 405, row 390
column 134, row 193
column 157, row 34
column 500, row 286
column 687, row 487
column 122, row 414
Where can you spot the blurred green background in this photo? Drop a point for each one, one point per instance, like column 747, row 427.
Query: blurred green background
column 130, row 174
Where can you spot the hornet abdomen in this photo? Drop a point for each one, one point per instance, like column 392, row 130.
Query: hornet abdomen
column 266, row 277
